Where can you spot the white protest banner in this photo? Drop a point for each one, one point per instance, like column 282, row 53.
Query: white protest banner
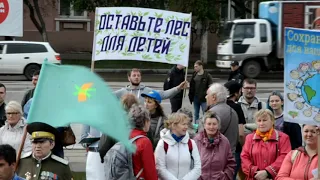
column 11, row 18
column 125, row 33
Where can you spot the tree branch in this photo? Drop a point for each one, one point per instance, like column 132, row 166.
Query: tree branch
column 32, row 15
column 42, row 23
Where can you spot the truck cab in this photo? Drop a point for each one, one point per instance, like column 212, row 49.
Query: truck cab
column 250, row 42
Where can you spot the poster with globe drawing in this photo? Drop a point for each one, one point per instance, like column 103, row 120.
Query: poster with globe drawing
column 302, row 76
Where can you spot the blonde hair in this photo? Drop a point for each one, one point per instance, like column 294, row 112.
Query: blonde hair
column 15, row 106
column 264, row 112
column 174, row 119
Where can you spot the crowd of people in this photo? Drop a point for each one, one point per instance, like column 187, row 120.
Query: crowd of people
column 234, row 136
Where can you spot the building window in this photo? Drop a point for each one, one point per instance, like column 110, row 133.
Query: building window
column 66, row 10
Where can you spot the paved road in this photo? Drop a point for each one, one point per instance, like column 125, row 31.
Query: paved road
column 76, row 156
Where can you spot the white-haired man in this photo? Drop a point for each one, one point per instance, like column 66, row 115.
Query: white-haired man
column 216, row 101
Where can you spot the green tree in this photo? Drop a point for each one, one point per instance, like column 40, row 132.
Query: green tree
column 205, row 14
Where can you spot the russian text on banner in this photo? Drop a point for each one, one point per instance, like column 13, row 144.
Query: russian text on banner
column 73, row 94
column 125, row 33
column 302, row 76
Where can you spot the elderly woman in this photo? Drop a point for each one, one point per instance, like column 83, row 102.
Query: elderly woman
column 41, row 163
column 299, row 163
column 143, row 159
column 11, row 133
column 217, row 161
column 152, row 102
column 177, row 156
column 265, row 149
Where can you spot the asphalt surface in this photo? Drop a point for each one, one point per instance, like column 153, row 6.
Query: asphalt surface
column 76, row 154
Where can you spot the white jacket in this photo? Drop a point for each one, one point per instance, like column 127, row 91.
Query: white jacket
column 175, row 165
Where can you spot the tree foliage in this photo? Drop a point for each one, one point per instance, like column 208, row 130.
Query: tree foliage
column 90, row 5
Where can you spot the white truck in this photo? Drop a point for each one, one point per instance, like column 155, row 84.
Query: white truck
column 258, row 43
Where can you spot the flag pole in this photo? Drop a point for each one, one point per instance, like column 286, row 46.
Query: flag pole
column 186, row 75
column 94, row 40
column 21, row 146
column 185, row 79
column 92, row 66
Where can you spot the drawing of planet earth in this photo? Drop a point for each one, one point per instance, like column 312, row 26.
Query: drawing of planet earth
column 310, row 90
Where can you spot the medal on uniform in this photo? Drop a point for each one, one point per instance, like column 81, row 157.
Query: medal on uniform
column 28, row 176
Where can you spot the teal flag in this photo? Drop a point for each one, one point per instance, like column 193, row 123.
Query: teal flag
column 73, row 94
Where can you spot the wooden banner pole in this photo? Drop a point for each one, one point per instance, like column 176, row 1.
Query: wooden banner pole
column 92, row 66
column 21, row 146
column 185, row 78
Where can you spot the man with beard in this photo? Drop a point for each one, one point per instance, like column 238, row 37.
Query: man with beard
column 250, row 104
column 234, row 89
column 3, row 117
column 175, row 77
column 136, row 88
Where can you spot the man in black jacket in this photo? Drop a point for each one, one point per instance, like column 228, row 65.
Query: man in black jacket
column 235, row 73
column 175, row 77
column 3, row 117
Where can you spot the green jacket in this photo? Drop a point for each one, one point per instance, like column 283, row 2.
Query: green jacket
column 52, row 167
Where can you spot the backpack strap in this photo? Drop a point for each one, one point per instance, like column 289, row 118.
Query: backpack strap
column 294, row 155
column 165, row 146
column 259, row 105
column 190, row 146
column 135, row 138
column 158, row 126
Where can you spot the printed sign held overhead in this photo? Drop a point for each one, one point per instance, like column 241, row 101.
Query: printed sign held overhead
column 123, row 33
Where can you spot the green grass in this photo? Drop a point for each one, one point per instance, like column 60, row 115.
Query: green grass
column 125, row 64
column 79, row 175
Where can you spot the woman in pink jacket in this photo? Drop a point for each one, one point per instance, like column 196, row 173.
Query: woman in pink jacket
column 265, row 149
column 299, row 163
column 217, row 161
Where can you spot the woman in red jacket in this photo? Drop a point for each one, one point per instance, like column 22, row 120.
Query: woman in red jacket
column 143, row 158
column 265, row 149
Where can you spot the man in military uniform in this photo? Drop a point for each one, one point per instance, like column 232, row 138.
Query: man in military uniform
column 41, row 163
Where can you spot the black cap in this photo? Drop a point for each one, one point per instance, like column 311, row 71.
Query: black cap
column 233, row 87
column 41, row 131
column 234, row 63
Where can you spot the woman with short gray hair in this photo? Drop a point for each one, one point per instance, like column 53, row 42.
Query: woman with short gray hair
column 143, row 159
column 11, row 133
column 217, row 161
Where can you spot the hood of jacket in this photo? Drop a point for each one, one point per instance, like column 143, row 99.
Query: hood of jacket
column 166, row 136
column 137, row 90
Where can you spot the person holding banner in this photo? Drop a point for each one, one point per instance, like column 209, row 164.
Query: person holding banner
column 265, row 149
column 300, row 163
column 135, row 87
column 175, row 77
